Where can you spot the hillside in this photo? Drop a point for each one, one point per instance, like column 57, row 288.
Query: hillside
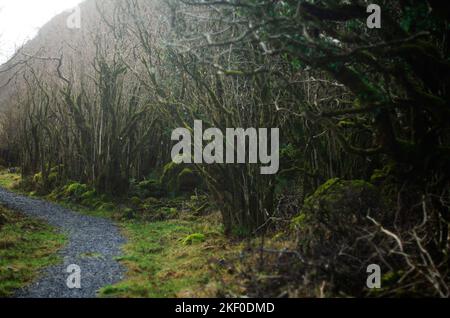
column 54, row 39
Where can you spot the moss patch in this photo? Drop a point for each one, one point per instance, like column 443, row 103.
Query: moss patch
column 9, row 180
column 194, row 238
column 26, row 246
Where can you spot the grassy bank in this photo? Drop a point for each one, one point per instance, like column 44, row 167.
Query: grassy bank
column 170, row 258
column 26, row 247
column 171, row 251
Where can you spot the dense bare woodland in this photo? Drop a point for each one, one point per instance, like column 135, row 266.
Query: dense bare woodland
column 363, row 116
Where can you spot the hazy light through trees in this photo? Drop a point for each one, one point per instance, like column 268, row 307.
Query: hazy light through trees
column 20, row 20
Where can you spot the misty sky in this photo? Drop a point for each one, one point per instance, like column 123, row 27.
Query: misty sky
column 21, row 19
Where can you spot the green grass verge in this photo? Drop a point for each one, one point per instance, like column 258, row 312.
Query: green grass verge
column 174, row 258
column 26, row 246
column 178, row 257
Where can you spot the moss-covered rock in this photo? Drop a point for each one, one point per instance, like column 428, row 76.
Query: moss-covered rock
column 339, row 203
column 78, row 193
column 332, row 222
column 88, row 198
column 136, row 201
column 75, row 189
column 150, row 188
column 178, row 178
column 91, row 194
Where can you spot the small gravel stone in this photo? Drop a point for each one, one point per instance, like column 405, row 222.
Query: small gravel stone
column 93, row 244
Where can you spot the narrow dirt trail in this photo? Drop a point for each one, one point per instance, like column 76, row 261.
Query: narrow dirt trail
column 93, row 244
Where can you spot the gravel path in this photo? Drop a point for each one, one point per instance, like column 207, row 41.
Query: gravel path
column 93, row 244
